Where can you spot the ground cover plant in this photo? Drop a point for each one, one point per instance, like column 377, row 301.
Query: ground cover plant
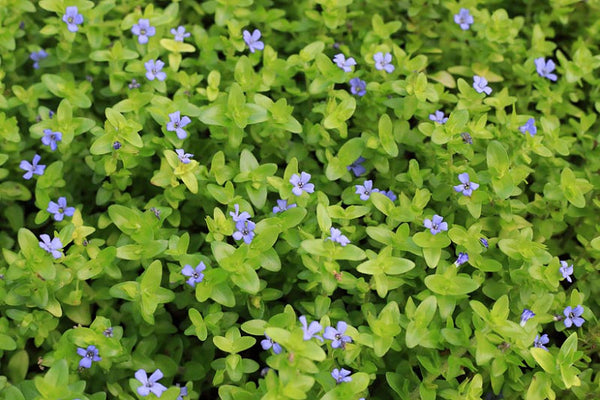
column 319, row 199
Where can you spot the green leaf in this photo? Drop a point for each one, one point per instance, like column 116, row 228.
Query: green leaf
column 246, row 279
column 497, row 158
column 455, row 286
column 386, row 135
column 545, row 359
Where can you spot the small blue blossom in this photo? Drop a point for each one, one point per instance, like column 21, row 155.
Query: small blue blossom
column 383, row 62
column 301, row 184
column 183, row 156
column 389, row 194
column 50, row 138
column 134, row 84
column 539, row 342
column 461, row 259
column 51, row 246
column 117, row 145
column 60, row 209
column 336, row 335
column 464, row 19
column 438, row 117
column 341, row 375
column 525, row 316
column 237, row 216
column 281, row 206
column 180, row 33
column 344, row 63
column 573, row 316
column 72, row 18
column 153, row 70
column 108, row 332
column 529, row 127
column 310, row 331
column 466, row 186
column 365, row 189
column 32, row 167
column 88, row 355
column 466, row 138
column 435, row 225
column 337, row 237
column 143, row 30
column 358, row 87
column 267, row 343
column 177, row 123
column 484, row 242
column 252, row 40
column 480, row 84
column 566, row 271
column 51, row 114
column 195, row 274
column 544, row 68
column 150, row 384
column 182, row 392
column 356, row 167
column 245, row 230
column 37, row 56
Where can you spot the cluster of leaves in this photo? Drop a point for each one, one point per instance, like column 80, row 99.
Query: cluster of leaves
column 152, row 200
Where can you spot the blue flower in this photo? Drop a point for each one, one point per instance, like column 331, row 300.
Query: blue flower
column 466, row 138
column 438, row 117
column 529, row 127
column 435, row 225
column 51, row 246
column 180, row 33
column 566, row 271
column 50, row 138
column 484, row 242
column 37, row 56
column 32, row 168
column 281, row 206
column 525, row 316
column 108, row 332
column 153, row 70
column 466, row 186
column 150, row 384
column 117, row 145
column 195, row 274
column 143, row 30
column 345, row 64
column 480, row 84
column 336, row 236
column 236, row 216
column 182, row 392
column 356, row 167
column 341, row 375
column 252, row 40
column 544, row 68
column 461, row 259
column 365, row 189
column 464, row 19
column 539, row 342
column 310, row 331
column 183, row 156
column 245, row 230
column 301, row 184
column 72, row 18
column 358, row 86
column 389, row 194
column 60, row 209
column 88, row 355
column 176, row 124
column 383, row 62
column 573, row 316
column 337, row 335
column 268, row 343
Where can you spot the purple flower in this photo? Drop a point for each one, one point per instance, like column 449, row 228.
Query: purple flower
column 52, row 247
column 341, row 375
column 88, row 355
column 480, row 84
column 435, row 225
column 268, row 343
column 108, row 332
column 245, row 230
column 177, row 124
column 50, row 138
column 32, row 168
column 461, row 259
column 237, row 217
column 484, row 242
column 389, row 194
column 544, row 68
column 466, row 186
column 143, row 30
column 529, row 127
column 150, row 384
column 365, row 189
column 116, row 145
column 252, row 40
column 182, row 392
column 281, row 206
column 438, row 117
column 356, row 167
column 383, row 62
column 301, row 184
column 37, row 56
column 337, row 335
column 466, row 138
column 539, row 342
column 525, row 316
column 195, row 274
column 358, row 86
column 183, row 156
column 336, row 236
column 133, row 84
column 573, row 316
column 60, row 209
column 50, row 114
column 464, row 19
column 343, row 63
column 566, row 271
column 310, row 331
column 153, row 70
column 180, row 33
column 72, row 18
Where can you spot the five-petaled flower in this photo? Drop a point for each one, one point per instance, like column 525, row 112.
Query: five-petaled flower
column 143, row 30
column 37, row 56
column 480, row 84
column 177, row 123
column 358, row 87
column 88, row 355
column 464, row 19
column 341, row 375
column 237, row 216
column 461, row 259
column 281, row 206
column 356, row 167
column 50, row 138
column 252, row 40
column 183, row 156
column 344, row 63
column 466, row 186
column 72, row 18
column 267, row 343
column 365, row 189
column 60, row 209
column 301, row 184
column 245, row 230
column 51, row 246
column 566, row 270
column 529, row 127
column 153, row 70
column 180, row 33
column 337, row 335
column 573, row 316
column 544, row 68
column 32, row 167
column 310, row 331
column 383, row 62
column 150, row 384
column 540, row 341
column 438, row 117
column 195, row 274
column 435, row 225
column 337, row 237
column 525, row 316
